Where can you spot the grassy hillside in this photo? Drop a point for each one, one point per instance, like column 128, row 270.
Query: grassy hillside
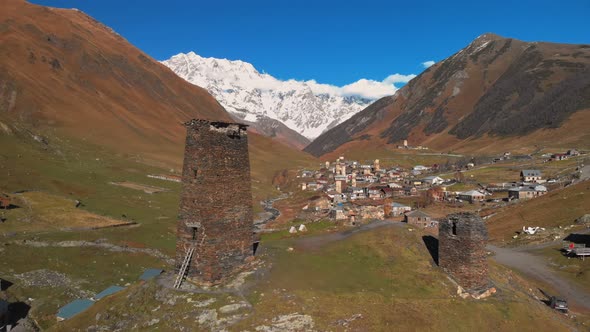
column 380, row 280
column 557, row 208
column 495, row 94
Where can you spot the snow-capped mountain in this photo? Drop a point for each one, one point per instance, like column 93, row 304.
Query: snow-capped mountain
column 304, row 106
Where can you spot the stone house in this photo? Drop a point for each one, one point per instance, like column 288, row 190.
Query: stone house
column 527, row 192
column 375, row 193
column 338, row 213
column 419, row 218
column 573, row 153
column 410, row 191
column 398, row 209
column 356, row 193
column 560, row 156
column 530, row 175
column 368, row 178
column 387, row 192
column 433, row 180
column 367, row 211
column 471, row 196
column 437, row 193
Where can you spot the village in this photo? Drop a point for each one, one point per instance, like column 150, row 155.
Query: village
column 352, row 192
column 247, row 166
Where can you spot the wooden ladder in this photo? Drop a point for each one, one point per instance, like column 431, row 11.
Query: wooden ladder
column 183, row 268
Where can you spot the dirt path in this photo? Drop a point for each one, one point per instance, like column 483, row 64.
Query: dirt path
column 318, row 241
column 537, row 268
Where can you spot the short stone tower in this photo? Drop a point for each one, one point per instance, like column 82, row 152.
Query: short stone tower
column 215, row 218
column 461, row 250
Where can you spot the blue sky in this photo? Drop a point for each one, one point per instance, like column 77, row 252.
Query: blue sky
column 334, row 42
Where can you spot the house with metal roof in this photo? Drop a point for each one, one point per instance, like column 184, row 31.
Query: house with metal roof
column 530, row 175
column 398, row 209
column 527, row 192
column 419, row 218
column 471, row 196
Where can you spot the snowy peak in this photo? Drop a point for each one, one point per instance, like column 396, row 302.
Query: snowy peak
column 306, row 107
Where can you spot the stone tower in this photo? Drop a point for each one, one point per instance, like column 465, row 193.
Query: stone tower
column 339, row 187
column 462, row 240
column 215, row 216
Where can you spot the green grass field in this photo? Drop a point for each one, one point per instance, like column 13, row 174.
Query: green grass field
column 384, row 276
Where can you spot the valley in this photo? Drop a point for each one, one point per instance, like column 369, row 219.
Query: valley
column 203, row 194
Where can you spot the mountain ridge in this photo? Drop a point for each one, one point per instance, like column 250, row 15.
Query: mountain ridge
column 492, row 89
column 66, row 74
column 247, row 93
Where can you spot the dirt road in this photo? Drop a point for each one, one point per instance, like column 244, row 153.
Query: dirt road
column 537, row 268
column 318, row 241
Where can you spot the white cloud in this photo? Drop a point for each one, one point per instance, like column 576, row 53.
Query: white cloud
column 428, row 63
column 228, row 74
column 365, row 88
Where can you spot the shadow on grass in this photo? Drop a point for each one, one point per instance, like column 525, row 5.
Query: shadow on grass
column 17, row 311
column 579, row 239
column 4, row 284
column 431, row 244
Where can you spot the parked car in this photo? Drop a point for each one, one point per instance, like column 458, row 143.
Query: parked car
column 558, row 304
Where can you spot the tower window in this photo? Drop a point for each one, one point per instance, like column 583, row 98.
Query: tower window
column 194, row 233
column 454, row 229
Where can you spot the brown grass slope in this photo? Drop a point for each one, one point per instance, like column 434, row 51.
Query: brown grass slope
column 480, row 99
column 557, row 208
column 277, row 131
column 64, row 73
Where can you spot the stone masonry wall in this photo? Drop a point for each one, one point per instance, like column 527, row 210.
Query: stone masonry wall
column 462, row 253
column 216, row 201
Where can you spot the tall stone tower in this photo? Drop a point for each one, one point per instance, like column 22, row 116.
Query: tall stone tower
column 339, row 187
column 215, row 216
column 462, row 240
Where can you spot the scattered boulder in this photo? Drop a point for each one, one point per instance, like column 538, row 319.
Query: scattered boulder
column 289, row 323
column 293, row 230
column 584, row 220
column 302, row 228
column 233, row 307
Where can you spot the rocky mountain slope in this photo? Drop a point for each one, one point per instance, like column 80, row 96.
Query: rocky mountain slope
column 494, row 94
column 252, row 95
column 276, row 130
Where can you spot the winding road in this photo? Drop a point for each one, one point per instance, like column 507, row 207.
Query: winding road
column 537, row 268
